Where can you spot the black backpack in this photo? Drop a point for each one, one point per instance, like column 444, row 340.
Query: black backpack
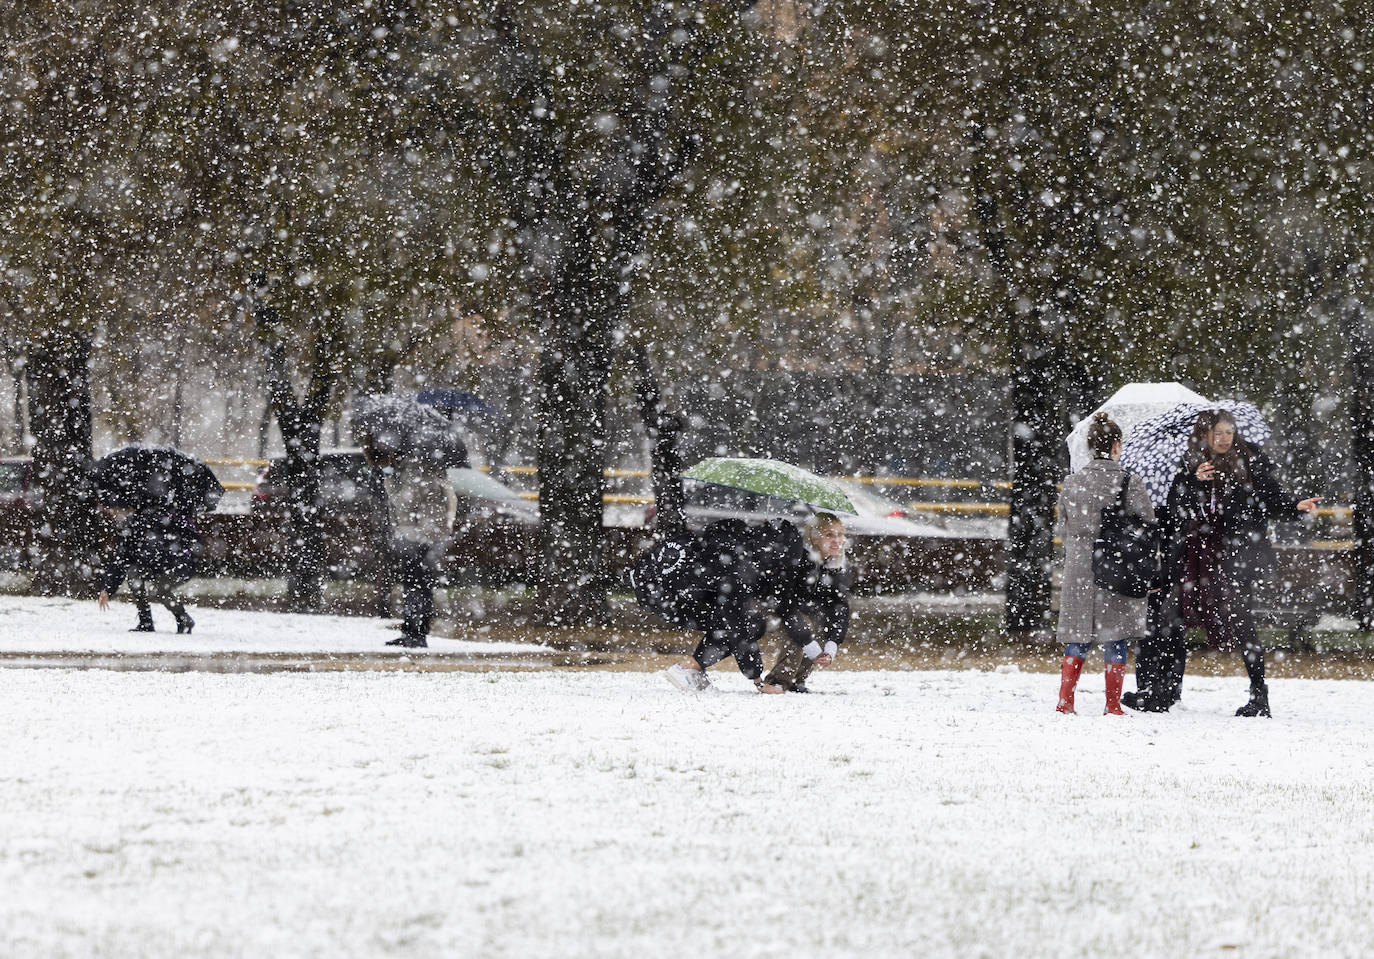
column 657, row 574
column 1125, row 549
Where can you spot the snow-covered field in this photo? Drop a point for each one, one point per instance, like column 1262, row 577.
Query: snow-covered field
column 593, row 813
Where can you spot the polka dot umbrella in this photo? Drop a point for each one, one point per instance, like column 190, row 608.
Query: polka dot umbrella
column 1154, row 449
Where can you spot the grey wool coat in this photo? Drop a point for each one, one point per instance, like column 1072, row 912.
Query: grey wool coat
column 1087, row 613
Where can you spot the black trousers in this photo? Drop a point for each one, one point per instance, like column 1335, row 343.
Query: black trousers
column 732, row 626
column 417, row 570
column 1163, row 654
column 160, row 589
column 1238, row 630
column 733, row 629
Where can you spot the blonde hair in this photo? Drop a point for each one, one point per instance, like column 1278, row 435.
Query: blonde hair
column 820, row 522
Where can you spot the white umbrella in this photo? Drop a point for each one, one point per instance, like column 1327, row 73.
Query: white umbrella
column 1129, row 406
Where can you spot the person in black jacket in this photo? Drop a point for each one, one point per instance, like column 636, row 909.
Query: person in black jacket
column 156, row 551
column 1162, row 657
column 816, row 619
column 725, row 582
column 1218, row 514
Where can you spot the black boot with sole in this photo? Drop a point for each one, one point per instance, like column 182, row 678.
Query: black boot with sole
column 145, row 619
column 184, row 620
column 1258, row 704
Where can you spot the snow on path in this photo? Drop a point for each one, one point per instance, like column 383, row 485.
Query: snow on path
column 602, row 814
column 56, row 624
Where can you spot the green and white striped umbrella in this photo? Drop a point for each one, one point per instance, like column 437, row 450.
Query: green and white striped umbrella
column 773, row 478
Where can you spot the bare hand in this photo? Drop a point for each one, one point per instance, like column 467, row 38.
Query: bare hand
column 104, row 600
column 1309, row 505
column 824, row 659
column 1206, row 470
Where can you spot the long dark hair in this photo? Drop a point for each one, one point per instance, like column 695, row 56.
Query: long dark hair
column 1233, row 466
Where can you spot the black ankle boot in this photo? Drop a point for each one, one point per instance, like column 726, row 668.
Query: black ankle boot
column 145, row 622
column 409, row 642
column 1258, row 704
column 1145, row 701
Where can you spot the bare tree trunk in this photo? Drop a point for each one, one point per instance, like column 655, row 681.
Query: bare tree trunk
column 1030, row 537
column 265, row 426
column 305, row 528
column 664, row 427
column 178, row 383
column 21, row 399
column 574, row 375
column 60, row 412
column 300, row 421
column 1360, row 346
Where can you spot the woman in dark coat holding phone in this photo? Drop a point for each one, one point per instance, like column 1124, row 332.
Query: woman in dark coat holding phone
column 1219, row 509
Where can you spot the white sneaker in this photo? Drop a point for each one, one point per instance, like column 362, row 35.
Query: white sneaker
column 687, row 680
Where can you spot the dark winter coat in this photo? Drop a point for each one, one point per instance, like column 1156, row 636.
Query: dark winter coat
column 1246, row 512
column 732, row 562
column 154, row 545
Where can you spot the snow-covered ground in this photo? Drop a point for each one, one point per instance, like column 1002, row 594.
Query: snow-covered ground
column 594, row 813
column 58, row 625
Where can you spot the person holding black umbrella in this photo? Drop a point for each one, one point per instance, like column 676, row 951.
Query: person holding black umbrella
column 421, row 506
column 156, row 551
column 154, row 493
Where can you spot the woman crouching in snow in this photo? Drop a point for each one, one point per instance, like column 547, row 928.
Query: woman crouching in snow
column 1087, row 612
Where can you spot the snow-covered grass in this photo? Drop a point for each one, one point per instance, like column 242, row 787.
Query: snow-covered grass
column 597, row 813
column 30, row 624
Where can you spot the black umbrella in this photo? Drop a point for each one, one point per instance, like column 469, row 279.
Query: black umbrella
column 402, row 426
column 456, row 401
column 141, row 477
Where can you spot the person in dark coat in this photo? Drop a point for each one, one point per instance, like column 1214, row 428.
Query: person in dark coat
column 1089, row 613
column 1220, row 506
column 156, row 551
column 816, row 620
column 725, row 582
column 421, row 505
column 1162, row 657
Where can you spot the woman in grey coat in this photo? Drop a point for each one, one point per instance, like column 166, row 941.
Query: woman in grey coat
column 1086, row 611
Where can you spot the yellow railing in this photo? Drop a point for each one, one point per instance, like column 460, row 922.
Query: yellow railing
column 1339, row 513
column 987, row 509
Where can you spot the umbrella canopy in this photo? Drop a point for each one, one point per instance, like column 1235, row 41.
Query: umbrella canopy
column 455, row 401
column 1154, row 449
column 142, row 477
column 1129, row 406
column 411, row 430
column 776, row 479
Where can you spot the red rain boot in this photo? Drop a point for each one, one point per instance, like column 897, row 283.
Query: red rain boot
column 1068, row 680
column 1116, row 676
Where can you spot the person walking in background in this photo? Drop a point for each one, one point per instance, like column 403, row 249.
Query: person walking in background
column 156, row 551
column 1087, row 612
column 421, row 505
column 1220, row 506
